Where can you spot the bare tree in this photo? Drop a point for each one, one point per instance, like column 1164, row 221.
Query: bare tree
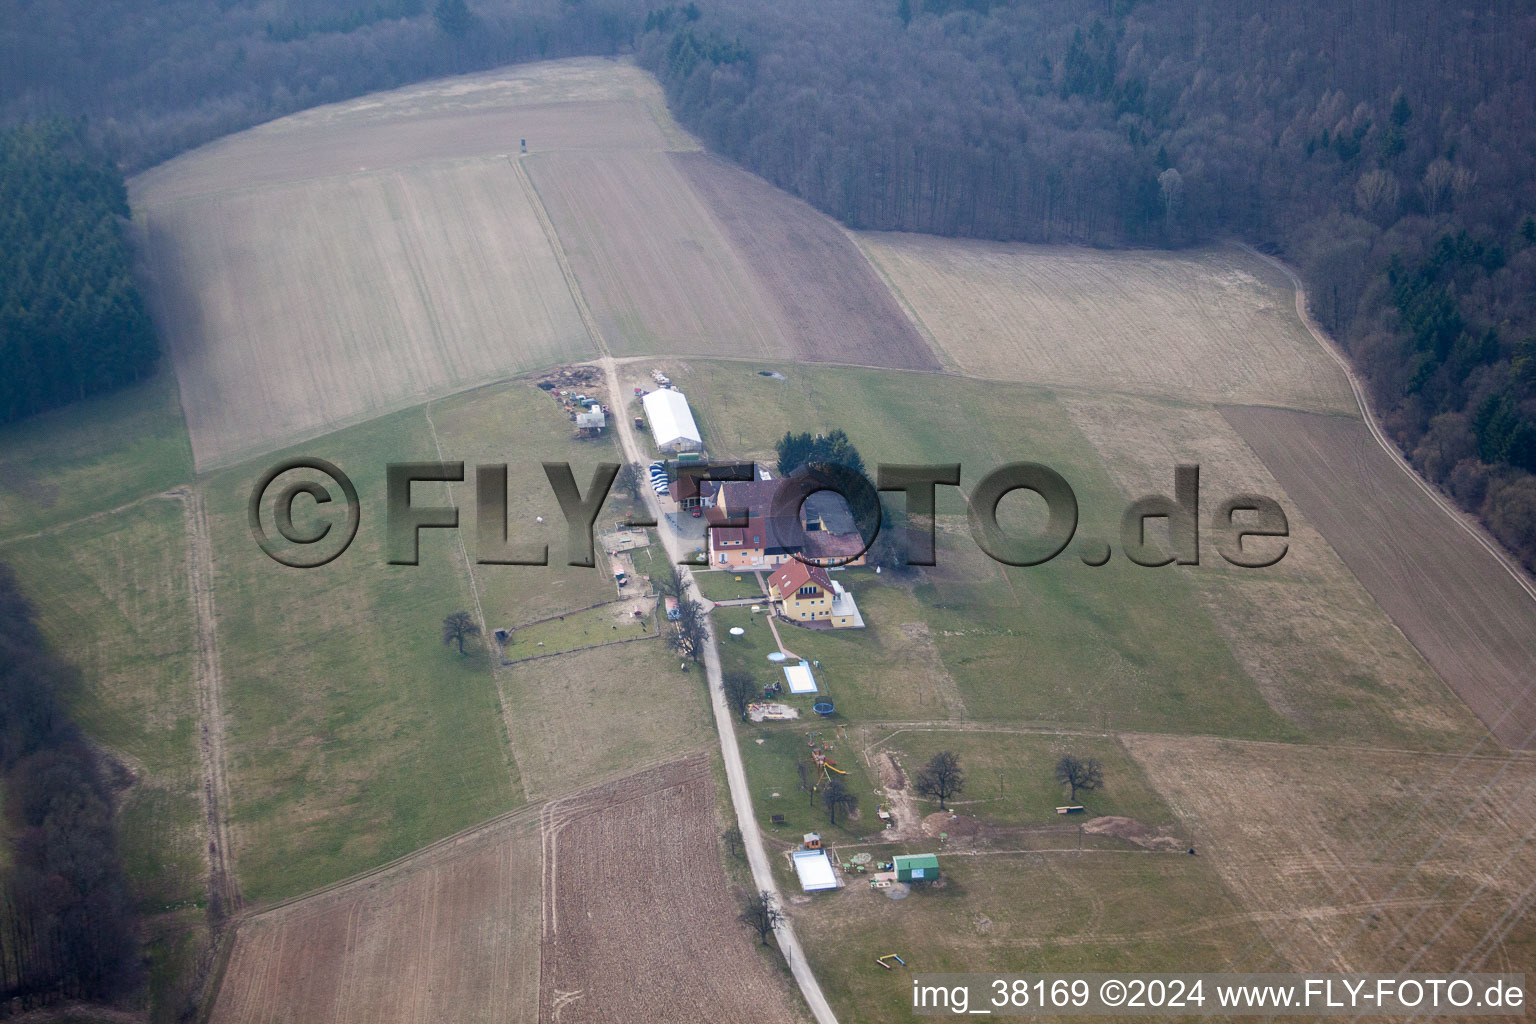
column 836, row 796
column 691, row 630
column 1077, row 773
column 941, row 778
column 665, row 580
column 1376, row 194
column 739, row 691
column 1435, row 188
column 628, row 481
column 1170, row 185
column 807, row 780
column 458, row 627
column 762, row 914
column 731, row 837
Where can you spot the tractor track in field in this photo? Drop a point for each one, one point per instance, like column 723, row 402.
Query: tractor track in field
column 223, row 883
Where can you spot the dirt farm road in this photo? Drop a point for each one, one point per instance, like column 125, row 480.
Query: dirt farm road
column 725, row 725
column 735, row 771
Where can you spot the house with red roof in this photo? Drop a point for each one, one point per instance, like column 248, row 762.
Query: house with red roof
column 762, row 540
column 806, row 594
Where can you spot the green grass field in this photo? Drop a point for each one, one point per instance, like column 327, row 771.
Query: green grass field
column 1121, row 646
column 1010, row 777
column 94, row 455
column 355, row 735
column 1039, row 912
column 591, row 715
column 1028, row 663
column 720, row 585
column 601, row 625
column 112, row 597
column 771, row 770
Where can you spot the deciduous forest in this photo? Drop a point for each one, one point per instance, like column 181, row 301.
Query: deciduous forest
column 1381, row 146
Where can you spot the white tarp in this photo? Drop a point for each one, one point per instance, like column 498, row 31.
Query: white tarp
column 815, row 870
column 800, row 678
column 671, row 420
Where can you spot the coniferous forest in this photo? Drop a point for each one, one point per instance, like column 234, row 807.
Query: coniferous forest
column 72, row 322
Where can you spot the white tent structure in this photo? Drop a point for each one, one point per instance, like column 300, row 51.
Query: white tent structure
column 671, row 421
column 815, row 870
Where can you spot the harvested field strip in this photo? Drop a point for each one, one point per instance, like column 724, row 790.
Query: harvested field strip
column 833, row 305
column 439, row 277
column 653, row 263
column 1217, row 324
column 639, row 922
column 1472, row 622
column 583, row 103
column 448, row 933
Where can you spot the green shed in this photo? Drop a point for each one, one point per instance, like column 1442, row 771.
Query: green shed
column 916, row 867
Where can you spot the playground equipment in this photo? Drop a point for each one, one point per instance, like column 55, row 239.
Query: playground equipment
column 823, row 708
column 881, row 960
column 825, row 766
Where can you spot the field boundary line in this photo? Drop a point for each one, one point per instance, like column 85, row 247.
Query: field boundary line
column 516, row 816
column 572, row 285
column 474, row 592
column 561, row 615
column 1462, row 519
column 577, row 650
column 947, row 361
column 892, row 728
column 174, row 494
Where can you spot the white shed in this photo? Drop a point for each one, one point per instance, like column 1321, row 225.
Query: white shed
column 671, row 421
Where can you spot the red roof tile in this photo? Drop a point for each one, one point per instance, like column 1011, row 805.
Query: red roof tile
column 794, row 574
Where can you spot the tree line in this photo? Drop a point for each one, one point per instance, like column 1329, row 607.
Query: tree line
column 1381, row 146
column 67, row 927
column 72, row 322
column 1362, row 140
column 157, row 77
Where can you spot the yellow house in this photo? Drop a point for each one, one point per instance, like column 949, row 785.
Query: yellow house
column 805, row 593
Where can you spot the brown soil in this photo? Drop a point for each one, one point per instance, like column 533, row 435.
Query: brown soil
column 956, row 826
column 1133, row 831
column 832, row 304
column 639, row 921
column 449, row 934
column 1468, row 617
column 223, row 884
